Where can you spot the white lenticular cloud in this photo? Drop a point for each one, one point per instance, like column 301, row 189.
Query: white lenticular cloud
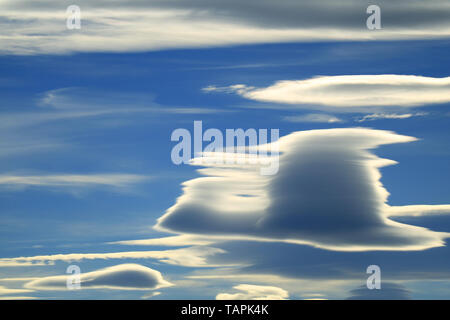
column 327, row 194
column 120, row 277
column 254, row 292
column 351, row 91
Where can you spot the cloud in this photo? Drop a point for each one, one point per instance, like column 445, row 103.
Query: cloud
column 18, row 279
column 19, row 263
column 313, row 296
column 154, row 25
column 151, row 295
column 72, row 103
column 378, row 116
column 237, row 88
column 78, row 102
column 255, row 292
column 388, row 291
column 119, row 277
column 15, row 182
column 282, row 263
column 351, row 91
column 418, row 210
column 313, row 117
column 188, row 257
column 18, row 298
column 327, row 194
column 8, row 291
column 71, row 110
column 174, row 241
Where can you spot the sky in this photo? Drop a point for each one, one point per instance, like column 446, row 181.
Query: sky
column 87, row 178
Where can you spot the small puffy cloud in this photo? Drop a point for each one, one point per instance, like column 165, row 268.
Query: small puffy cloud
column 313, row 117
column 388, row 291
column 351, row 91
column 327, row 194
column 237, row 88
column 254, row 292
column 119, row 277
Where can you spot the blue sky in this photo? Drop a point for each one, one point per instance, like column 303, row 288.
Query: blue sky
column 85, row 159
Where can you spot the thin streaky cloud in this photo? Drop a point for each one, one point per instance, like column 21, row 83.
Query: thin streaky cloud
column 173, row 241
column 418, row 210
column 188, row 257
column 18, row 298
column 314, row 118
column 72, row 180
column 9, row 291
column 379, row 116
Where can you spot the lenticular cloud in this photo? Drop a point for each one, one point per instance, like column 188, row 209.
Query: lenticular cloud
column 350, row 91
column 327, row 193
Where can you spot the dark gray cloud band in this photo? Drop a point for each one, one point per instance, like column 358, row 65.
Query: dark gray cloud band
column 33, row 27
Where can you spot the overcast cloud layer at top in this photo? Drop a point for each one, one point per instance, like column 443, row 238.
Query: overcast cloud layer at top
column 33, row 27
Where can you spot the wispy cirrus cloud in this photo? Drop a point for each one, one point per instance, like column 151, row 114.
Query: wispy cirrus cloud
column 62, row 110
column 72, row 103
column 379, row 116
column 85, row 102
